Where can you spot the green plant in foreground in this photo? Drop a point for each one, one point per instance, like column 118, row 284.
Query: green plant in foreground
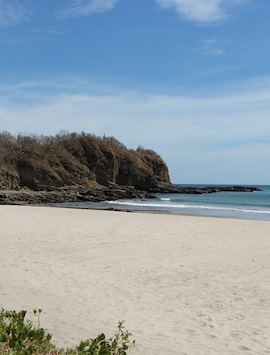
column 118, row 345
column 18, row 336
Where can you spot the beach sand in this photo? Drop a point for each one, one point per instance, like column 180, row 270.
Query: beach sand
column 183, row 285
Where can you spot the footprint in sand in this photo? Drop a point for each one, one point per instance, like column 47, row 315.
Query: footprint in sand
column 244, row 348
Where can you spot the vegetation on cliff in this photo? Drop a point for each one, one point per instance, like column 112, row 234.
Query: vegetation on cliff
column 47, row 162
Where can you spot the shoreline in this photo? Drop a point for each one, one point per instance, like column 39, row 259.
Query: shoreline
column 148, row 211
column 110, row 197
column 154, row 212
column 114, row 205
column 200, row 283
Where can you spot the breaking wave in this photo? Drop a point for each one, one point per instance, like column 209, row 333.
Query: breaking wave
column 164, row 205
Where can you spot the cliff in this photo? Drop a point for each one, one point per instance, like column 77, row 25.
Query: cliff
column 77, row 160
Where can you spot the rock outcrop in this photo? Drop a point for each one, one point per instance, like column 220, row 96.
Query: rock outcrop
column 77, row 160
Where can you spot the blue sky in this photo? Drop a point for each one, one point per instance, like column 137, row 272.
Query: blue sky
column 188, row 78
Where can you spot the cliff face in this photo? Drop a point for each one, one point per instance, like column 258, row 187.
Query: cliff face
column 8, row 180
column 82, row 160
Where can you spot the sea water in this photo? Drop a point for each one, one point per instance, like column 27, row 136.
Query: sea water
column 249, row 205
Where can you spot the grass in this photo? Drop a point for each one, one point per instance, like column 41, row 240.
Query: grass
column 18, row 336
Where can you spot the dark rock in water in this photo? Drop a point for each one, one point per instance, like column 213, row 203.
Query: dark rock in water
column 170, row 188
column 232, row 189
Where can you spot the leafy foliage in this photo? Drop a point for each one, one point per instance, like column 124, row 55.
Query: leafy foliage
column 19, row 336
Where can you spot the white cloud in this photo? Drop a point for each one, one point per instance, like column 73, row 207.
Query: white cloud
column 199, row 10
column 210, row 47
column 11, row 12
column 220, row 137
column 87, row 7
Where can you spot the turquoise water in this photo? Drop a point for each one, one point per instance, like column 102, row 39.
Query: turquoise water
column 248, row 205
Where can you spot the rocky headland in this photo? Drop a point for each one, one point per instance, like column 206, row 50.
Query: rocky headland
column 82, row 167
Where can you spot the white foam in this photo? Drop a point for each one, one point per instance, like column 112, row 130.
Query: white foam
column 185, row 206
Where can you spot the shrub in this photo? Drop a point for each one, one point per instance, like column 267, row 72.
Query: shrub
column 19, row 336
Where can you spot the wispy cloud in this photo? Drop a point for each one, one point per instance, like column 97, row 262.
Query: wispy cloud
column 226, row 134
column 200, row 10
column 87, row 7
column 211, row 47
column 12, row 12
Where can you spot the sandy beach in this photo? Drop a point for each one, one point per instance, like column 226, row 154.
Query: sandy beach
column 183, row 285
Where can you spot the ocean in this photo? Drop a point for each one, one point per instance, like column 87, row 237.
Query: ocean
column 246, row 205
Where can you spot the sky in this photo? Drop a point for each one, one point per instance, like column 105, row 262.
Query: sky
column 187, row 78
